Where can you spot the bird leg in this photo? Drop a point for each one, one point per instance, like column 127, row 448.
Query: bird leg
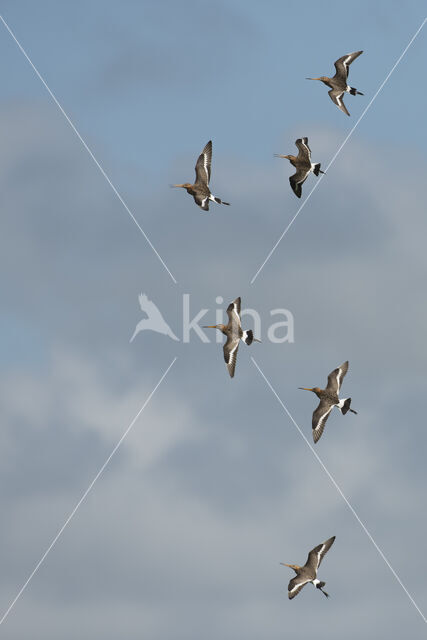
column 319, row 586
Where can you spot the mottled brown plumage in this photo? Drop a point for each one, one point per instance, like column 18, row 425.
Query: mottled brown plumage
column 308, row 573
column 200, row 189
column 302, row 163
column 329, row 398
column 338, row 83
column 234, row 332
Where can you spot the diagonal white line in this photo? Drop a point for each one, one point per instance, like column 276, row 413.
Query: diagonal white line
column 337, row 487
column 83, row 497
column 340, row 148
column 52, row 95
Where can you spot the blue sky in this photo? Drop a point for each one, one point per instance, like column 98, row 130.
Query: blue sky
column 183, row 534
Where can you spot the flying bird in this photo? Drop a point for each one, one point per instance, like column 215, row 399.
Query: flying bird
column 200, row 189
column 302, row 163
column 154, row 320
column 338, row 83
column 329, row 399
column 308, row 573
column 233, row 331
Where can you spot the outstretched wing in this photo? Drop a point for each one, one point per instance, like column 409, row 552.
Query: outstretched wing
column 342, row 65
column 336, row 97
column 336, row 377
column 295, row 586
column 233, row 311
column 298, row 179
column 203, row 165
column 230, row 354
column 303, row 149
column 316, row 555
column 202, row 202
column 320, row 415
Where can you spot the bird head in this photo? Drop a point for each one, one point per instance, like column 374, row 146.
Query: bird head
column 321, row 78
column 295, row 567
column 221, row 327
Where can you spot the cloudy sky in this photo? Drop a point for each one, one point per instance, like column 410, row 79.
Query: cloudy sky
column 213, row 486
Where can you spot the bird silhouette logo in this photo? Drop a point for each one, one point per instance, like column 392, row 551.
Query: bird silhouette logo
column 154, row 320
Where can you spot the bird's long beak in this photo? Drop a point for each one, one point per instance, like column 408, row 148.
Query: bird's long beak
column 313, row 78
column 209, row 326
column 278, row 155
column 305, row 388
column 286, row 565
column 176, row 185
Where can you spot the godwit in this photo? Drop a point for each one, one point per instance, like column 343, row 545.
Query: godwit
column 328, row 399
column 308, row 573
column 338, row 83
column 233, row 331
column 200, row 189
column 302, row 163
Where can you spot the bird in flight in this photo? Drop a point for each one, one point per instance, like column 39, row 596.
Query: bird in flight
column 328, row 399
column 338, row 83
column 200, row 189
column 234, row 332
column 308, row 573
column 302, row 163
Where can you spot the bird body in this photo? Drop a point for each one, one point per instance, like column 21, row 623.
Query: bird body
column 200, row 189
column 234, row 332
column 329, row 398
column 302, row 163
column 338, row 83
column 308, row 573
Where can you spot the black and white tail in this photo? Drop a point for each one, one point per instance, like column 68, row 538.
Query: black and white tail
column 354, row 91
column 219, row 201
column 345, row 406
column 316, row 169
column 248, row 337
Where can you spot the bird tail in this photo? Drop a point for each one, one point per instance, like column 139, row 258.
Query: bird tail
column 345, row 405
column 219, row 201
column 354, row 91
column 316, row 169
column 248, row 337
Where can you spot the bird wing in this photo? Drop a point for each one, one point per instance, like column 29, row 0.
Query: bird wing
column 230, row 354
column 320, row 415
column 315, row 556
column 233, row 311
column 295, row 585
column 342, row 65
column 304, row 149
column 203, row 165
column 202, row 202
column 298, row 179
column 336, row 377
column 336, row 97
